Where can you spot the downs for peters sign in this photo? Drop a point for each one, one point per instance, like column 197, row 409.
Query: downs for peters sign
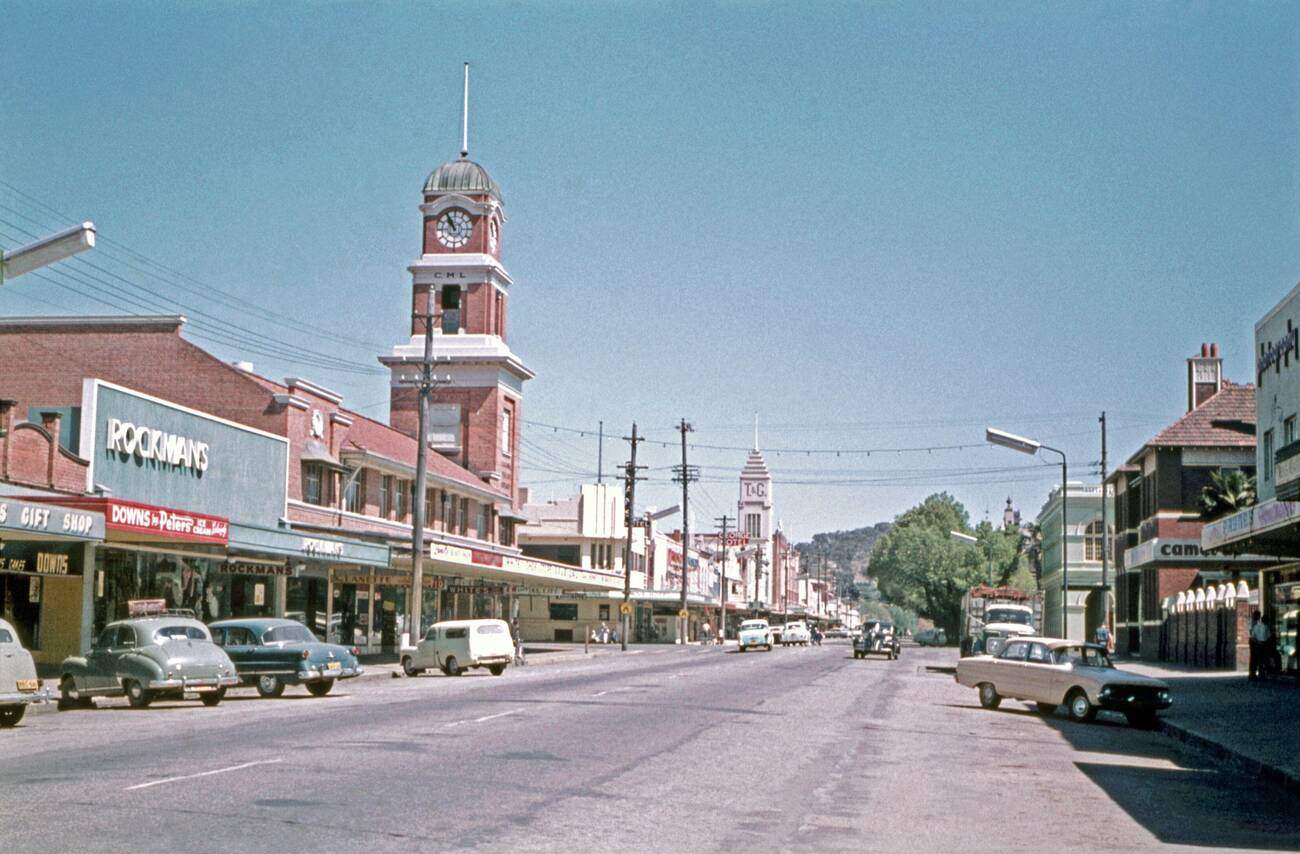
column 158, row 453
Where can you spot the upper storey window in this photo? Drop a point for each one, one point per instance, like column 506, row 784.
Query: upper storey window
column 450, row 309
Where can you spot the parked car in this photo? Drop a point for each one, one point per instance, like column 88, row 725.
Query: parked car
column 796, row 633
column 837, row 632
column 778, row 632
column 145, row 659
column 1050, row 673
column 932, row 637
column 459, row 645
column 755, row 633
column 271, row 653
column 877, row 638
column 19, row 686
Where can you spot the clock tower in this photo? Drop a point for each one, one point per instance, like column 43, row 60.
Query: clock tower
column 460, row 282
column 754, row 510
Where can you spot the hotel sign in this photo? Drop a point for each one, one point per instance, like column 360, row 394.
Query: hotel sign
column 1278, row 352
column 1252, row 520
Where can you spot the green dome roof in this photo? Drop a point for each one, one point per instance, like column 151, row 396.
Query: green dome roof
column 462, row 176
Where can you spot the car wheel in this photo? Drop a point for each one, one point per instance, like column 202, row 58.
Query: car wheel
column 742, row 649
column 270, row 686
column 451, row 667
column 989, row 697
column 1142, row 720
column 769, row 647
column 137, row 695
column 68, row 698
column 11, row 715
column 211, row 698
column 409, row 668
column 1080, row 707
column 497, row 669
column 1046, row 708
column 321, row 688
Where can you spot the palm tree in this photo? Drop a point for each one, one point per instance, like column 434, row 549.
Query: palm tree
column 1229, row 490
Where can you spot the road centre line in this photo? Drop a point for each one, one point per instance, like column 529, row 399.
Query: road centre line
column 484, row 718
column 201, row 774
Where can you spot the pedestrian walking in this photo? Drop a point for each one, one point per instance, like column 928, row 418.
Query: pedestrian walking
column 1259, row 638
column 1102, row 636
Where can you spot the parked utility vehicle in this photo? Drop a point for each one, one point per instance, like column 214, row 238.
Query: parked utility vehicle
column 459, row 645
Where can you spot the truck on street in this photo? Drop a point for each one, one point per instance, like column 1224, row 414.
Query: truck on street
column 991, row 615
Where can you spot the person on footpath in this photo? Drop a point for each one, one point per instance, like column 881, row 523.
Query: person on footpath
column 1259, row 637
column 1102, row 636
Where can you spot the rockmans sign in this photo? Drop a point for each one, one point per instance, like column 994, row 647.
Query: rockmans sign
column 147, row 443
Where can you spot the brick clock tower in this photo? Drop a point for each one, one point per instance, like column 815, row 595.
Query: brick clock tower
column 475, row 418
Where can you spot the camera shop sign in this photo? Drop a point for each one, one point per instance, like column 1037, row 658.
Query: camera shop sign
column 1176, row 551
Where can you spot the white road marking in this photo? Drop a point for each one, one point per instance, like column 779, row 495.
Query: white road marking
column 482, row 719
column 201, row 774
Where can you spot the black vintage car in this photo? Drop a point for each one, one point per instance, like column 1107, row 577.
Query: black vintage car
column 272, row 653
column 877, row 638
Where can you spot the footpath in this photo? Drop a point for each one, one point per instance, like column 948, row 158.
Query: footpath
column 1248, row 723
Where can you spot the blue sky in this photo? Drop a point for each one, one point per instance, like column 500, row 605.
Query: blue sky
column 877, row 225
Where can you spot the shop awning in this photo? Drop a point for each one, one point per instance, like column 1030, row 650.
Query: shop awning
column 450, row 559
column 1271, row 529
column 33, row 520
column 255, row 539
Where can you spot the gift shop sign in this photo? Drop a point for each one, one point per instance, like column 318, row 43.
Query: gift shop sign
column 130, row 517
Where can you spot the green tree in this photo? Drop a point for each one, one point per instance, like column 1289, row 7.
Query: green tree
column 919, row 567
column 1229, row 490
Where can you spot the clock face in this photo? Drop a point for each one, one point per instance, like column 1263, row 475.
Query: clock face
column 454, row 228
column 492, row 235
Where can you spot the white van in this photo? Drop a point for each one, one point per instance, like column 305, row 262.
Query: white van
column 457, row 645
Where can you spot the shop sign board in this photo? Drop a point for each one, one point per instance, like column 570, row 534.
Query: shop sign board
column 27, row 517
column 143, row 449
column 135, row 518
column 540, row 570
column 1252, row 520
column 241, row 567
column 40, row 558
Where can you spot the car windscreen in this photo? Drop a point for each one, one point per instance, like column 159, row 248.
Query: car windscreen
column 491, row 629
column 5, row 636
column 1084, row 656
column 179, row 632
column 288, row 634
column 1009, row 615
column 744, row 626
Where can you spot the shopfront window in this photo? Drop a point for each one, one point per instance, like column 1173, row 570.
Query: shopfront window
column 305, row 601
column 390, row 617
column 351, row 614
column 206, row 587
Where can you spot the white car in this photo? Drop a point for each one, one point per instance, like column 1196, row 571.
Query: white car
column 755, row 633
column 459, row 645
column 19, row 686
column 1051, row 673
column 796, row 633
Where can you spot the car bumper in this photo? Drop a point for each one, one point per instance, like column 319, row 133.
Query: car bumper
column 488, row 661
column 1132, row 704
column 327, row 675
column 22, row 698
column 186, row 684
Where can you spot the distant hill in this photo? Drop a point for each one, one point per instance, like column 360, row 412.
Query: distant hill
column 848, row 551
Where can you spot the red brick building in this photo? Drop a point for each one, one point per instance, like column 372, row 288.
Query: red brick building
column 1157, row 503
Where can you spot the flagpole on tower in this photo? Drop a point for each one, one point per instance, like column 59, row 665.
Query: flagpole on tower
column 464, row 117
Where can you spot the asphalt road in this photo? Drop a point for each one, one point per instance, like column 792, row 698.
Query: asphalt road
column 669, row 749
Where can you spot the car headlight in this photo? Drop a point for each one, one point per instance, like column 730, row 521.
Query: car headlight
column 1164, row 695
column 1104, row 692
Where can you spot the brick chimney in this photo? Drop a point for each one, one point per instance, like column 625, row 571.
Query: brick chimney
column 52, row 422
column 1204, row 376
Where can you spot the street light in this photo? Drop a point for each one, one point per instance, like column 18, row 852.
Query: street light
column 47, row 250
column 1031, row 446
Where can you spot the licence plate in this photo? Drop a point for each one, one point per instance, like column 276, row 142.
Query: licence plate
column 26, row 684
column 334, row 665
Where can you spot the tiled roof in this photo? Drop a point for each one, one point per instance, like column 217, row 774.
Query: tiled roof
column 370, row 435
column 1226, row 420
